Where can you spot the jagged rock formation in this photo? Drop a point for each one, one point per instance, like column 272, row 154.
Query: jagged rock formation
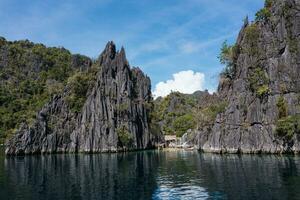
column 257, row 108
column 264, row 93
column 114, row 115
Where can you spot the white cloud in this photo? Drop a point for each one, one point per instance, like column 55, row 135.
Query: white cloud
column 184, row 81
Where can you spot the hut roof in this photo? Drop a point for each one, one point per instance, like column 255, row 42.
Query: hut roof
column 170, row 137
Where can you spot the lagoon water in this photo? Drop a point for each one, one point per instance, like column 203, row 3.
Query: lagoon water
column 150, row 175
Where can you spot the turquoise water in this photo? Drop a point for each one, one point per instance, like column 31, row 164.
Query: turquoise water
column 150, row 175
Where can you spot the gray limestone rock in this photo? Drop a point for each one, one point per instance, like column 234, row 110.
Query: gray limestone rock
column 115, row 108
column 248, row 125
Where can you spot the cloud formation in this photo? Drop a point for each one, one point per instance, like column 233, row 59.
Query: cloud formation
column 184, row 81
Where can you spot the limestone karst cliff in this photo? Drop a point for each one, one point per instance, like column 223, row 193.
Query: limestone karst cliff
column 263, row 89
column 113, row 116
column 259, row 90
column 107, row 106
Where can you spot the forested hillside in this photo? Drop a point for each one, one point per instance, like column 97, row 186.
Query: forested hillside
column 177, row 112
column 30, row 74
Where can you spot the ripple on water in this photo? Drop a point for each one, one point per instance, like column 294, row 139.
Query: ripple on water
column 180, row 192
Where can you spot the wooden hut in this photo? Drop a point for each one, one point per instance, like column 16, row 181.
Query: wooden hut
column 170, row 139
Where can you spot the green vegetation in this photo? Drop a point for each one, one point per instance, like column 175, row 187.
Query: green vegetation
column 252, row 34
column 29, row 75
column 293, row 45
column 184, row 123
column 215, row 109
column 257, row 77
column 124, row 136
column 288, row 126
column 177, row 113
column 264, row 13
column 182, row 103
column 268, row 3
column 251, row 39
column 227, row 57
column 263, row 90
column 282, row 107
column 78, row 84
column 206, row 116
column 123, row 107
column 259, row 82
column 174, row 113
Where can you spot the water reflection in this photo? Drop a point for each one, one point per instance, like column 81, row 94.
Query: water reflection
column 150, row 175
column 102, row 176
column 251, row 176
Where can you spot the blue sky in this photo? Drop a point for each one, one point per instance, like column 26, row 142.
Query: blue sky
column 162, row 37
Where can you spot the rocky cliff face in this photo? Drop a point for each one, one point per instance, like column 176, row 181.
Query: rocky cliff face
column 114, row 115
column 264, row 93
column 257, row 108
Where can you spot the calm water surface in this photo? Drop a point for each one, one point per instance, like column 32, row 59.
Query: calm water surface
column 150, row 175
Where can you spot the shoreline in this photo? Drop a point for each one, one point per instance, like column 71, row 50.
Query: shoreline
column 167, row 149
column 178, row 149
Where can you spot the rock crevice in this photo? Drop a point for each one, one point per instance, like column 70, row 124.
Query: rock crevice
column 114, row 116
column 270, row 50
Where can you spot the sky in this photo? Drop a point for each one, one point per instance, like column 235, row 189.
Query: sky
column 175, row 42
